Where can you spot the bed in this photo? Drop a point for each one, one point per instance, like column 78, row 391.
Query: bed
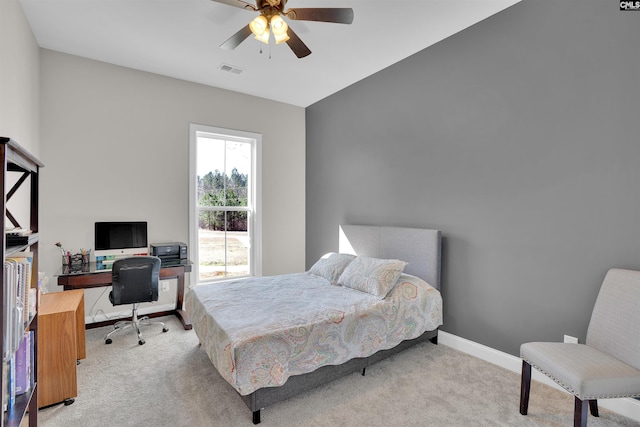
column 307, row 329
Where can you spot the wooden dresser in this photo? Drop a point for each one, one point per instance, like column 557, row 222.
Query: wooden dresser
column 61, row 343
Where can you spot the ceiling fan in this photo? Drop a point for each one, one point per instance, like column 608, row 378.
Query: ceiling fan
column 270, row 21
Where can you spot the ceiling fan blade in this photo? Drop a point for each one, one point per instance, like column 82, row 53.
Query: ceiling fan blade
column 235, row 40
column 237, row 3
column 339, row 15
column 297, row 46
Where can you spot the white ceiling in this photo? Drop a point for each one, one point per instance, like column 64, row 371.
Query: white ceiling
column 181, row 39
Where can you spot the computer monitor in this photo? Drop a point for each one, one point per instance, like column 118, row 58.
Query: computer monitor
column 115, row 240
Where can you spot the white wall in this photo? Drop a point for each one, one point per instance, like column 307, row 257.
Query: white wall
column 19, row 89
column 115, row 145
column 19, row 94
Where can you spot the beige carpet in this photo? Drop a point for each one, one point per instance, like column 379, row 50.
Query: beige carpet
column 170, row 381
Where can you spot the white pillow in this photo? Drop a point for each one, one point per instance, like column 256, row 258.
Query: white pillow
column 372, row 275
column 331, row 266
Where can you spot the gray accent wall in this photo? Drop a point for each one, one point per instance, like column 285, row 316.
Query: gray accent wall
column 519, row 138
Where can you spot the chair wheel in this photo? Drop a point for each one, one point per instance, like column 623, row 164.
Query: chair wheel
column 108, row 341
column 141, row 342
column 165, row 329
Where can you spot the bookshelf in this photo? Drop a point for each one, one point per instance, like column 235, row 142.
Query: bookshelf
column 20, row 170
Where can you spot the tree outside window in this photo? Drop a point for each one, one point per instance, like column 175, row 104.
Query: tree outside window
column 225, row 205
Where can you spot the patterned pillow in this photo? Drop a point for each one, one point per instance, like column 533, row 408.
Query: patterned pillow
column 372, row 275
column 331, row 266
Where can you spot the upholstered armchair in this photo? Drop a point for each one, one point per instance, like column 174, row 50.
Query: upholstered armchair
column 608, row 364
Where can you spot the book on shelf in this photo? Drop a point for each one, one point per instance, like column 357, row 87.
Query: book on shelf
column 19, row 372
column 19, row 346
column 24, row 364
column 5, row 386
column 17, row 278
column 12, row 381
column 10, row 308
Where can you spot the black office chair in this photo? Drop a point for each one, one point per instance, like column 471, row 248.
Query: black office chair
column 134, row 280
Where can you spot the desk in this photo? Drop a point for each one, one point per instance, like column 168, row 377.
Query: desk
column 94, row 275
column 61, row 343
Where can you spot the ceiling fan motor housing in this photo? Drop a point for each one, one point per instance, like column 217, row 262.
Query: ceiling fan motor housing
column 276, row 4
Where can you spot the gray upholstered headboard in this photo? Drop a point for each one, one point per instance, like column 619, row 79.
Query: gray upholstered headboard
column 420, row 248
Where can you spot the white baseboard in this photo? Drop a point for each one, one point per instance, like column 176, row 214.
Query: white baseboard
column 101, row 317
column 629, row 408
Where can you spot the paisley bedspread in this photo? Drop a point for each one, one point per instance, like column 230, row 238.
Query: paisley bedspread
column 260, row 331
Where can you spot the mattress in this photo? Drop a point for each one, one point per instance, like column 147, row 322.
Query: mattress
column 260, row 331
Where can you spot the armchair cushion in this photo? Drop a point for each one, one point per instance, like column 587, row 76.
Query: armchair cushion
column 614, row 322
column 583, row 370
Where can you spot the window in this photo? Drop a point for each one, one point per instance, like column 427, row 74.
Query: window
column 224, row 226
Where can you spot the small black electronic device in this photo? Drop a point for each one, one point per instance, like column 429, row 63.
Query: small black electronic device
column 175, row 252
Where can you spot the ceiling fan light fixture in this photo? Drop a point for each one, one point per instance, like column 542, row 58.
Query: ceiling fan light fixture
column 271, row 20
column 279, row 28
column 281, row 38
column 259, row 25
column 264, row 37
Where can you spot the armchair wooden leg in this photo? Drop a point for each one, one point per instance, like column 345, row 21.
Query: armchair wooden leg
column 525, row 387
column 593, row 405
column 579, row 413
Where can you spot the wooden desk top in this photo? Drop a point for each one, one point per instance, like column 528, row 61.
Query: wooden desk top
column 91, row 276
column 98, row 268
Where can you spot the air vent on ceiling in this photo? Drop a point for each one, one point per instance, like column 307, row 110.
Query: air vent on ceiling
column 230, row 69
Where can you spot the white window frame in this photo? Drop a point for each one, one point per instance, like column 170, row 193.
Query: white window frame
column 255, row 202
